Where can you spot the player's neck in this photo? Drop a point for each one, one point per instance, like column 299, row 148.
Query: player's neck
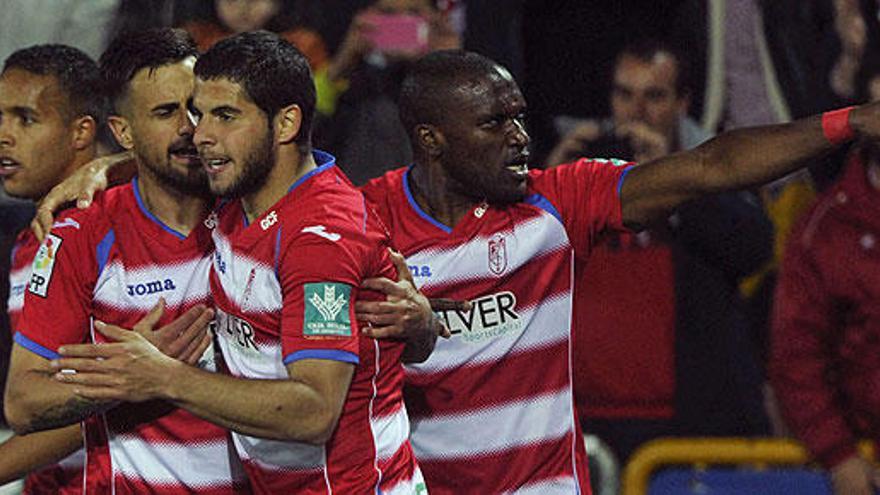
column 430, row 189
column 80, row 158
column 180, row 211
column 289, row 166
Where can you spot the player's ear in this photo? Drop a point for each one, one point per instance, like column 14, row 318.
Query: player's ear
column 84, row 131
column 288, row 122
column 121, row 131
column 430, row 139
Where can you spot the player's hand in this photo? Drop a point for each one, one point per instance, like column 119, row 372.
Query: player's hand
column 855, row 476
column 185, row 339
column 80, row 187
column 128, row 369
column 404, row 314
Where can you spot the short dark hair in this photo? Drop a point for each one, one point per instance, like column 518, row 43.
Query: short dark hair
column 133, row 51
column 645, row 49
column 426, row 88
column 273, row 73
column 76, row 72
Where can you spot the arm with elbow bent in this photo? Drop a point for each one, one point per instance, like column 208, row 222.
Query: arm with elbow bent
column 733, row 160
column 303, row 408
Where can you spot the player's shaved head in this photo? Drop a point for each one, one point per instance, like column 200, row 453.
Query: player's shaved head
column 435, row 82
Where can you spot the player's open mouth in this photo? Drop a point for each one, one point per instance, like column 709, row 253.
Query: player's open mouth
column 519, row 166
column 8, row 166
column 215, row 165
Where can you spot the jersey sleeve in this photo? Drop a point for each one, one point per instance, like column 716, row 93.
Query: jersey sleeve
column 320, row 271
column 586, row 194
column 58, row 298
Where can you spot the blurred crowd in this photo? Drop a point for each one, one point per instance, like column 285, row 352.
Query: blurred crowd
column 742, row 314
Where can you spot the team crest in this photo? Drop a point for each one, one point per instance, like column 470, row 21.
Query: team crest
column 497, row 255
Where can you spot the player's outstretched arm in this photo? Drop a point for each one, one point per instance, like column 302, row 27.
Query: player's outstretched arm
column 739, row 159
column 81, row 186
column 22, row 455
column 303, row 408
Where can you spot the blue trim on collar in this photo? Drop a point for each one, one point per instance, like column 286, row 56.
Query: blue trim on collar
column 415, row 206
column 145, row 211
column 323, row 160
column 620, row 180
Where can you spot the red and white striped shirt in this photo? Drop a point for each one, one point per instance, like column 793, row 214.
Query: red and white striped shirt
column 492, row 408
column 112, row 262
column 285, row 288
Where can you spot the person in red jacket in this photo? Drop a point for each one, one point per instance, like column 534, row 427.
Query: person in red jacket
column 826, row 328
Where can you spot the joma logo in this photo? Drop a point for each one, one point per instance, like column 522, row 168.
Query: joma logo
column 151, row 287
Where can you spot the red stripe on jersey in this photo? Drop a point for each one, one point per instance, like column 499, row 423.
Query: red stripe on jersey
column 509, row 384
column 508, row 470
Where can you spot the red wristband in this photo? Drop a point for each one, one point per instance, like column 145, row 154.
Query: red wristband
column 835, row 126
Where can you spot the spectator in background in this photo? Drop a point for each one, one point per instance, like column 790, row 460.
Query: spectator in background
column 826, row 331
column 364, row 131
column 687, row 364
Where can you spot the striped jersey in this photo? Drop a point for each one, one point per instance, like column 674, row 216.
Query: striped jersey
column 492, row 408
column 112, row 262
column 284, row 288
column 65, row 477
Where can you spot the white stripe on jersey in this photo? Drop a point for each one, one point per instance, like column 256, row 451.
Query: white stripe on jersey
column 245, row 356
column 139, row 289
column 172, row 463
column 519, row 423
column 530, row 239
column 552, row 318
column 18, row 280
column 390, row 433
column 276, row 454
column 407, row 487
column 564, row 485
column 251, row 285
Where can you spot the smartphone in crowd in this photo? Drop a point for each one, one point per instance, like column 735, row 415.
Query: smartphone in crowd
column 398, row 33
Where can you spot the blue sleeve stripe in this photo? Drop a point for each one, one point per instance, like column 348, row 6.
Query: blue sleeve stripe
column 620, row 180
column 544, row 204
column 330, row 354
column 102, row 251
column 35, row 347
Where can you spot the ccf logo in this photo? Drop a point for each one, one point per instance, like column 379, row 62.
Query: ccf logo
column 497, row 255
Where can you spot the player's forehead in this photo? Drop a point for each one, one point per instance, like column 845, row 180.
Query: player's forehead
column 166, row 83
column 494, row 91
column 220, row 92
column 20, row 88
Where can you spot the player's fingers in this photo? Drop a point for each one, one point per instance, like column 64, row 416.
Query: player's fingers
column 196, row 349
column 444, row 304
column 377, row 307
column 90, row 350
column 443, row 330
column 80, row 365
column 90, row 379
column 399, row 262
column 97, row 393
column 115, row 333
column 384, row 332
column 385, row 286
column 378, row 319
column 147, row 323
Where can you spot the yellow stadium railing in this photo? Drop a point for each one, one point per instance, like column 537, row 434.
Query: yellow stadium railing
column 701, row 453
